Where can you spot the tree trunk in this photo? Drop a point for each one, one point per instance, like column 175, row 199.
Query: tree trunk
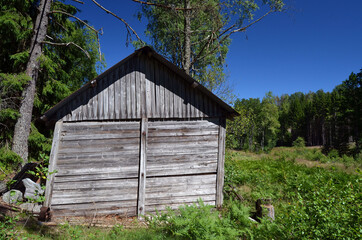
column 323, row 133
column 251, row 137
column 187, row 32
column 22, row 126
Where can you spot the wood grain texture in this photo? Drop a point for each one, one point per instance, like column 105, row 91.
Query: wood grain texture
column 178, row 147
column 52, row 163
column 220, row 163
column 178, row 190
column 98, row 167
column 141, row 86
column 142, row 168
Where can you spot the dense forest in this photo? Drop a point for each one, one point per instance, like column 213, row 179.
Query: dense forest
column 329, row 119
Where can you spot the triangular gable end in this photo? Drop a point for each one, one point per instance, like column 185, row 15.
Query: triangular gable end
column 142, row 85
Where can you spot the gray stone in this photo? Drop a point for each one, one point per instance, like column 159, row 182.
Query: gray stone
column 30, row 207
column 13, row 196
column 2, row 187
column 32, row 190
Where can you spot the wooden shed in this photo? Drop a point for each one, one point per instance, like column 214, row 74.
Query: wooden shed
column 141, row 136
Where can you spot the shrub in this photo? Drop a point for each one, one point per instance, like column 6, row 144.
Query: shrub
column 9, row 158
column 197, row 221
column 299, row 142
column 333, row 154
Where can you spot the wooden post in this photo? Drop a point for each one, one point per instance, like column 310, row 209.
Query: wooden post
column 220, row 164
column 259, row 210
column 52, row 163
column 142, row 168
column 270, row 208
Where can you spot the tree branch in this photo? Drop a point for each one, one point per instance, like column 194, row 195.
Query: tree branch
column 128, row 27
column 162, row 5
column 67, row 44
column 228, row 30
column 80, row 20
column 78, row 1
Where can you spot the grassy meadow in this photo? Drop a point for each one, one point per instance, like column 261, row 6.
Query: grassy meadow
column 314, row 196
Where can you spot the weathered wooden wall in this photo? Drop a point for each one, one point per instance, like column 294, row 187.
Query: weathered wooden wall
column 141, row 137
column 97, row 169
column 139, row 87
column 99, row 166
column 181, row 163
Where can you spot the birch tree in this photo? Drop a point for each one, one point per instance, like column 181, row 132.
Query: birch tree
column 195, row 34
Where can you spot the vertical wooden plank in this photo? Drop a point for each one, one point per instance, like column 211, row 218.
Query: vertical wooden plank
column 117, row 95
column 90, row 103
column 167, row 92
column 79, row 107
column 220, row 163
column 143, row 87
column 197, row 103
column 175, row 95
column 105, row 97
column 111, row 104
column 206, row 106
column 100, row 99
column 142, row 168
column 72, row 107
column 157, row 88
column 162, row 90
column 94, row 102
column 128, row 91
column 180, row 96
column 84, row 111
column 133, row 88
column 138, row 88
column 123, row 92
column 148, row 90
column 188, row 99
column 52, row 163
column 171, row 94
column 152, row 86
column 192, row 99
column 184, row 100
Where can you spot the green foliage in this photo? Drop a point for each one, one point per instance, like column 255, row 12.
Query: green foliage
column 211, row 24
column 257, row 126
column 310, row 202
column 299, row 142
column 197, row 221
column 7, row 227
column 328, row 211
column 9, row 159
column 39, row 144
column 11, row 86
column 63, row 69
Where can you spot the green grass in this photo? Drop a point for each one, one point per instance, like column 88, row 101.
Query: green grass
column 313, row 199
column 310, row 202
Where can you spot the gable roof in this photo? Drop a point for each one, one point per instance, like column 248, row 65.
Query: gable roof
column 147, row 51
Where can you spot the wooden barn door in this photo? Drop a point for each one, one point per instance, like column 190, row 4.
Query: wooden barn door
column 182, row 159
column 97, row 169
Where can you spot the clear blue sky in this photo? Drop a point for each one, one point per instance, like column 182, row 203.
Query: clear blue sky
column 314, row 45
